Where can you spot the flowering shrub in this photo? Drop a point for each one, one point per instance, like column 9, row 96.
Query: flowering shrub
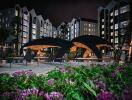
column 23, row 72
column 111, row 82
column 105, row 95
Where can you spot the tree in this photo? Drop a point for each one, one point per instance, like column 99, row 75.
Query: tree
column 16, row 22
column 64, row 31
column 3, row 35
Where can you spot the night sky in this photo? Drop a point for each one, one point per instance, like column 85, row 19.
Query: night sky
column 59, row 10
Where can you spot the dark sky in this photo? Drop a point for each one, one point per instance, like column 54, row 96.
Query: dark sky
column 59, row 10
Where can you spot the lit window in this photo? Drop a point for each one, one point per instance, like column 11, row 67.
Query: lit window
column 111, row 27
column 102, row 20
column 33, row 31
column 124, row 9
column 111, row 40
column 116, row 26
column 116, row 12
column 111, row 14
column 102, row 32
column 103, row 51
column 111, row 33
column 33, row 25
column 89, row 25
column 102, row 26
column 16, row 12
column 89, row 30
column 116, row 33
column 116, row 40
column 111, row 20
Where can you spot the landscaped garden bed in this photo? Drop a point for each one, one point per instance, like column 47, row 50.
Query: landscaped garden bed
column 96, row 82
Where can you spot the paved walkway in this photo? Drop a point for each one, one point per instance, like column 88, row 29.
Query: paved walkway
column 41, row 69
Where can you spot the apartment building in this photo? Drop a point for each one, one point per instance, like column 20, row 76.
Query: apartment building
column 82, row 26
column 26, row 25
column 113, row 24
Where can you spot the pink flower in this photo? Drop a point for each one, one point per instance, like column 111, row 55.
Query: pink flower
column 51, row 81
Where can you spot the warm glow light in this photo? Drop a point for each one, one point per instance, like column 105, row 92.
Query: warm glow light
column 103, row 45
column 86, row 54
column 39, row 47
column 73, row 49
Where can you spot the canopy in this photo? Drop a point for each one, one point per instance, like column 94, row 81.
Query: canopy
column 90, row 43
column 49, row 42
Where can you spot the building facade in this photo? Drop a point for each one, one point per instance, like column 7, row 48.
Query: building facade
column 82, row 26
column 24, row 24
column 113, row 25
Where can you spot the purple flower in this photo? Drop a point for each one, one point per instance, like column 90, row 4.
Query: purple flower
column 62, row 69
column 41, row 93
column 6, row 94
column 22, row 72
column 47, row 96
column 56, row 95
column 127, row 94
column 105, row 95
column 51, row 81
column 113, row 74
column 100, row 84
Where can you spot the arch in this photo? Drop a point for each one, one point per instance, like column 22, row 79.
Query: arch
column 90, row 43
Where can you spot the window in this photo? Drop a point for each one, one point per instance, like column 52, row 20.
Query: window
column 25, row 22
column 116, row 12
column 111, row 20
column 102, row 20
column 33, row 31
column 116, row 33
column 102, row 26
column 0, row 19
column 111, row 27
column 89, row 25
column 111, row 40
column 116, row 40
column 89, row 30
column 6, row 18
column 24, row 40
column 103, row 51
column 111, row 33
column 16, row 12
column 34, row 26
column 124, row 9
column 124, row 24
column 25, row 17
column 25, row 28
column 116, row 26
column 111, row 14
column 24, row 34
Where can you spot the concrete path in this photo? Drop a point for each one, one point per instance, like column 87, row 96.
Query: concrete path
column 41, row 69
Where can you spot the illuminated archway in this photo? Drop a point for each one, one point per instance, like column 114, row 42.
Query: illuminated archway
column 90, row 44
